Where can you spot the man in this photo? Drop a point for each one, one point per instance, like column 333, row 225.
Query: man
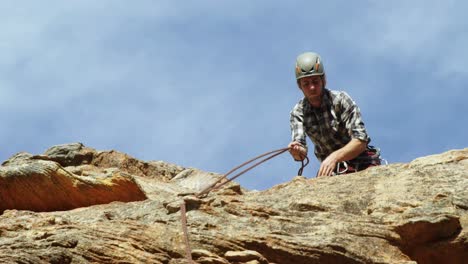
column 332, row 120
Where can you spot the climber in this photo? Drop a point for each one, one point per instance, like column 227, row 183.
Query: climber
column 332, row 120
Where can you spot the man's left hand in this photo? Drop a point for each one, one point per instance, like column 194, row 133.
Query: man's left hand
column 328, row 165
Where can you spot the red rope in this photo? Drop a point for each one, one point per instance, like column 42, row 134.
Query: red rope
column 224, row 177
column 218, row 184
column 183, row 217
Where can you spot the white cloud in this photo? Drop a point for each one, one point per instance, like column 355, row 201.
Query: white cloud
column 418, row 35
column 62, row 51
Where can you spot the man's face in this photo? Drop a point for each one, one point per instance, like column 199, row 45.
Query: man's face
column 312, row 87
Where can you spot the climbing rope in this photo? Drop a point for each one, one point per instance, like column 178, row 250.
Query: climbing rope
column 188, row 249
column 223, row 181
column 303, row 165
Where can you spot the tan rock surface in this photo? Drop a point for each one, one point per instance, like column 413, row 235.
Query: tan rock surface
column 400, row 213
column 32, row 183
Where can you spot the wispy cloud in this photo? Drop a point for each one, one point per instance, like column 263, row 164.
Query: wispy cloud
column 210, row 83
column 419, row 35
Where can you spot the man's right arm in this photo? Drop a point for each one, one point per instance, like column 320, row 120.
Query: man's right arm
column 298, row 146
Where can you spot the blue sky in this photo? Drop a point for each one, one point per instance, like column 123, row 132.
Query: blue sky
column 210, row 84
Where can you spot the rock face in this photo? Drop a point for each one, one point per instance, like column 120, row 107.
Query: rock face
column 40, row 183
column 74, row 204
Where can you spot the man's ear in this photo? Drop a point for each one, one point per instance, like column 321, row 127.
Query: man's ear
column 324, row 80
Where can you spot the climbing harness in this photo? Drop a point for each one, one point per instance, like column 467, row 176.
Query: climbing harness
column 223, row 181
column 370, row 157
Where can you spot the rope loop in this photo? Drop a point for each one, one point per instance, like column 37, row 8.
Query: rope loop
column 303, row 165
column 224, row 180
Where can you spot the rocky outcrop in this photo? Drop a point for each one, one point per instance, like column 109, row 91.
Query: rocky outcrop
column 399, row 213
column 32, row 183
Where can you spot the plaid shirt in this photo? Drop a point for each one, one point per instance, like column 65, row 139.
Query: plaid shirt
column 331, row 126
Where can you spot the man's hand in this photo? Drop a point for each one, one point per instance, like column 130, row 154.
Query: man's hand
column 297, row 150
column 348, row 152
column 328, row 165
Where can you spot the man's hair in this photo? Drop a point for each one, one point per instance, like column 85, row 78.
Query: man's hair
column 324, row 81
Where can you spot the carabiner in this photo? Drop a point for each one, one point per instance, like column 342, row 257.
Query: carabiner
column 338, row 167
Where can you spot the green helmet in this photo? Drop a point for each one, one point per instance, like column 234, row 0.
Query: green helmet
column 309, row 64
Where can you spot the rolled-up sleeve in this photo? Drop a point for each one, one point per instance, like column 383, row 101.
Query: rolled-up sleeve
column 352, row 119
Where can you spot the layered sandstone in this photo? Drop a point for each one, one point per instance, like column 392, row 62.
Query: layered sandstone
column 74, row 204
